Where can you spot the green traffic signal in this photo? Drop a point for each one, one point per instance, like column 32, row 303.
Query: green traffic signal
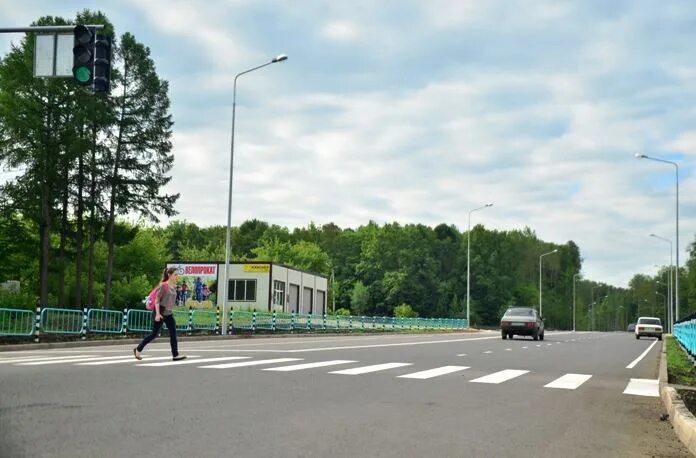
column 83, row 54
column 82, row 75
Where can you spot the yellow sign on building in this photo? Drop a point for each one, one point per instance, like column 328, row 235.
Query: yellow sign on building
column 258, row 268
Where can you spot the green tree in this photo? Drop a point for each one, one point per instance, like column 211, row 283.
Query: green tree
column 360, row 299
column 139, row 155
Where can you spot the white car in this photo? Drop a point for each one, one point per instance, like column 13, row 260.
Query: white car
column 649, row 326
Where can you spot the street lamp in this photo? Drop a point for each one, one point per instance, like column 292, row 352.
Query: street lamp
column 540, row 257
column 670, row 289
column 676, row 278
column 279, row 58
column 468, row 264
column 574, row 277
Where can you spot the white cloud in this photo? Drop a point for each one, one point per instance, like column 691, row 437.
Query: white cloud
column 342, row 31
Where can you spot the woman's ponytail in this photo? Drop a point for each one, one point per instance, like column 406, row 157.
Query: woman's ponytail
column 167, row 272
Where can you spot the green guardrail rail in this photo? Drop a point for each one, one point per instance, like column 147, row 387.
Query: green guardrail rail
column 105, row 321
column 204, row 320
column 62, row 321
column 52, row 320
column 139, row 320
column 16, row 322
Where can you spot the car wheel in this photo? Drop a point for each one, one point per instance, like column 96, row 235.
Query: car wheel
column 541, row 336
column 504, row 336
column 535, row 336
column 637, row 337
column 510, row 335
column 659, row 338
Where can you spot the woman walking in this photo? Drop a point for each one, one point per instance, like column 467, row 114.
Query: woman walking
column 163, row 312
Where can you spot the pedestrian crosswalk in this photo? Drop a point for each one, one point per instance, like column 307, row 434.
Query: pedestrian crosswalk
column 400, row 370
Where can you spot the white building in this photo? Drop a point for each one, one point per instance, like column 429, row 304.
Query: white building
column 261, row 286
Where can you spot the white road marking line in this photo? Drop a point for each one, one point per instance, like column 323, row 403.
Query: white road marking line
column 642, row 355
column 524, row 348
column 70, row 360
column 251, row 363
column 43, row 358
column 548, row 345
column 539, row 345
column 401, row 344
column 572, row 340
column 499, row 377
column 444, row 370
column 643, row 387
column 569, row 381
column 127, row 360
column 557, row 343
column 487, row 352
column 368, row 369
column 461, row 354
column 192, row 361
column 299, row 367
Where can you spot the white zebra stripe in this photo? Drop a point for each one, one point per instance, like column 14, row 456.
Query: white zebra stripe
column 369, row 369
column 430, row 373
column 500, row 377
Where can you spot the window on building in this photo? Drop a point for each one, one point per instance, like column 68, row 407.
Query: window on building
column 321, row 302
column 242, row 290
column 278, row 292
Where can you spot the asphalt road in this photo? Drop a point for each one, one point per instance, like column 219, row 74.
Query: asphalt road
column 464, row 395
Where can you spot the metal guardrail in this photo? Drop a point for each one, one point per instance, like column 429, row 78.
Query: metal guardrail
column 685, row 333
column 51, row 320
column 105, row 321
column 15, row 322
column 204, row 320
column 62, row 321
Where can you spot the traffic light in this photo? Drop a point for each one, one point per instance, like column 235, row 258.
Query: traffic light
column 83, row 55
column 102, row 64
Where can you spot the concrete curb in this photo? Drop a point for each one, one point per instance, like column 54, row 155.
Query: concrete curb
column 180, row 338
column 683, row 421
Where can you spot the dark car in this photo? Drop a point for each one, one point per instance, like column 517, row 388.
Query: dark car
column 522, row 321
column 631, row 327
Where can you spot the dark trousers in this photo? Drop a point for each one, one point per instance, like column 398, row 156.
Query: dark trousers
column 156, row 327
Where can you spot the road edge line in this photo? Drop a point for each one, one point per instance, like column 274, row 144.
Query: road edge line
column 683, row 421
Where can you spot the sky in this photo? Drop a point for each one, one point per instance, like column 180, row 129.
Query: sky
column 418, row 112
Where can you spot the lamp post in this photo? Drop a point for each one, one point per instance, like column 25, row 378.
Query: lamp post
column 540, row 297
column 670, row 285
column 676, row 278
column 225, row 278
column 468, row 262
column 574, row 278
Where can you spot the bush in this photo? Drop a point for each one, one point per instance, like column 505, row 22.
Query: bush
column 343, row 312
column 130, row 293
column 404, row 311
column 17, row 300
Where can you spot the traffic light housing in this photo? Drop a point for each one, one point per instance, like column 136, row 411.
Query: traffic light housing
column 102, row 64
column 83, row 55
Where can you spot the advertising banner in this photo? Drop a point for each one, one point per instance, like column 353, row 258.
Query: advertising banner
column 197, row 284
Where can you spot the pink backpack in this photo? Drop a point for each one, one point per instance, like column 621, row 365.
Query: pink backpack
column 152, row 297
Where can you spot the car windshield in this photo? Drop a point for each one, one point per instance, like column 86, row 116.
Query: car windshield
column 520, row 312
column 654, row 321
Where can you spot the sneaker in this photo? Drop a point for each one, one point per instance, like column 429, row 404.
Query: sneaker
column 179, row 358
column 137, row 355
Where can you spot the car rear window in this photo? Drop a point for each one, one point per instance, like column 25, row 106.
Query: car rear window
column 520, row 312
column 654, row 321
